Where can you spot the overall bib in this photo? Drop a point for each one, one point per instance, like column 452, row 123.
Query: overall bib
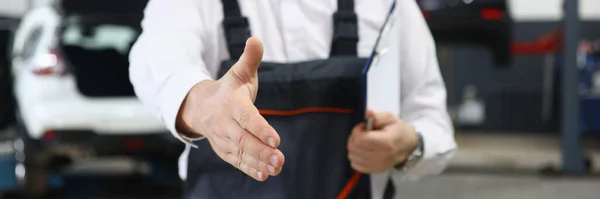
column 313, row 106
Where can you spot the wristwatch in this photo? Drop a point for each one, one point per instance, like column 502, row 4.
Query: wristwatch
column 414, row 158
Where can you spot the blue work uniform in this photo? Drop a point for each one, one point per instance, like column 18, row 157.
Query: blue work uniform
column 313, row 105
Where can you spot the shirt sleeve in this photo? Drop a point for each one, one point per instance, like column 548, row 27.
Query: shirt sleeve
column 423, row 100
column 166, row 60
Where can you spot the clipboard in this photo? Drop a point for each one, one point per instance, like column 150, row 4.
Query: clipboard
column 381, row 74
column 381, row 85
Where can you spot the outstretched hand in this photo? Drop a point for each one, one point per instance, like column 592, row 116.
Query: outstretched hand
column 223, row 111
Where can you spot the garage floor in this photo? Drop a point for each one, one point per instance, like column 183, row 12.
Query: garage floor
column 484, row 186
column 510, row 162
column 448, row 186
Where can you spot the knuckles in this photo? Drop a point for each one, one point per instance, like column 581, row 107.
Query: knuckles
column 245, row 119
column 239, row 139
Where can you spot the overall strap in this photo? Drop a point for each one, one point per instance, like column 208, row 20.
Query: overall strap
column 236, row 27
column 345, row 30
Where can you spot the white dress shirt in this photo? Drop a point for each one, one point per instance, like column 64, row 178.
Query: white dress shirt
column 183, row 43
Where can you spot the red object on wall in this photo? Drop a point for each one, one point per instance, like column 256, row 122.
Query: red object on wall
column 548, row 43
column 492, row 14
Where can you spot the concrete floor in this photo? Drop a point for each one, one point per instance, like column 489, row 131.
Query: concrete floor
column 506, row 166
column 483, row 186
column 447, row 186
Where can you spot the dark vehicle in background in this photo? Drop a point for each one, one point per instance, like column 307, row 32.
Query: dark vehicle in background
column 6, row 94
column 10, row 12
column 485, row 23
column 71, row 83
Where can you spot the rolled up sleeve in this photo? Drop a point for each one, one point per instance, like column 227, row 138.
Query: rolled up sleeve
column 423, row 98
column 166, row 60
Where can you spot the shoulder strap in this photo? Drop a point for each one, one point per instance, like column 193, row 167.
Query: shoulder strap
column 236, row 28
column 345, row 30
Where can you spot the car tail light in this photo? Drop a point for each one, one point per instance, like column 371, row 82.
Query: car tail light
column 49, row 63
column 49, row 135
column 492, row 14
column 134, row 144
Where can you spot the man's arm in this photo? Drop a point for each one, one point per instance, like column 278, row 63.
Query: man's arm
column 423, row 93
column 170, row 77
column 166, row 61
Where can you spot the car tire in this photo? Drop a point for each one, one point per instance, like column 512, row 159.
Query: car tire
column 35, row 183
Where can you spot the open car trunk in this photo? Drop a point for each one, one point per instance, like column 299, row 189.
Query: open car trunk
column 94, row 42
column 99, row 72
column 102, row 7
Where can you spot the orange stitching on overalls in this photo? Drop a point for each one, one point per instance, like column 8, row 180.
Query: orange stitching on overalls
column 354, row 180
column 306, row 110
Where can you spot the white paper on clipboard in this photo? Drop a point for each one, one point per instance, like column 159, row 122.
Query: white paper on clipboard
column 383, row 71
column 382, row 83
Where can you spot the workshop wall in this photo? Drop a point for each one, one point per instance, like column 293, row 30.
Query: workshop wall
column 551, row 10
column 513, row 95
column 13, row 8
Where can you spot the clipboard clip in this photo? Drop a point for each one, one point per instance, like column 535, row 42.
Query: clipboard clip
column 381, row 46
column 369, row 124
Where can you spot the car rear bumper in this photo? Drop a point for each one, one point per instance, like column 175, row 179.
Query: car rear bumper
column 77, row 144
column 113, row 117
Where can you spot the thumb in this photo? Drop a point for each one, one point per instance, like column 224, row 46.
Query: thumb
column 245, row 69
column 381, row 119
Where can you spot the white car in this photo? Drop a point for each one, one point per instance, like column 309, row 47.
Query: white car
column 71, row 84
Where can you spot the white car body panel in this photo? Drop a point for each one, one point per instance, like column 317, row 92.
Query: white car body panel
column 54, row 102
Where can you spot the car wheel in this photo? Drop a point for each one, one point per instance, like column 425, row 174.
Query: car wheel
column 35, row 184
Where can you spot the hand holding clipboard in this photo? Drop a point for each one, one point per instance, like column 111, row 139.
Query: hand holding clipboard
column 381, row 85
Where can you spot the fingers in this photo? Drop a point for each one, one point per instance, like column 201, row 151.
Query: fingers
column 381, row 119
column 252, row 152
column 357, row 137
column 374, row 140
column 246, row 67
column 362, row 167
column 357, row 154
column 223, row 147
column 249, row 118
column 247, row 169
column 362, row 159
column 368, row 152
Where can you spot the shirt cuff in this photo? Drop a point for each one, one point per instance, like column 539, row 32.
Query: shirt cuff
column 438, row 149
column 176, row 88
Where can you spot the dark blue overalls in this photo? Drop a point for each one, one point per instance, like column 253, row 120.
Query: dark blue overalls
column 313, row 106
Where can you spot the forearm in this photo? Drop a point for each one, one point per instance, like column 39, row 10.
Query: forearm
column 166, row 60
